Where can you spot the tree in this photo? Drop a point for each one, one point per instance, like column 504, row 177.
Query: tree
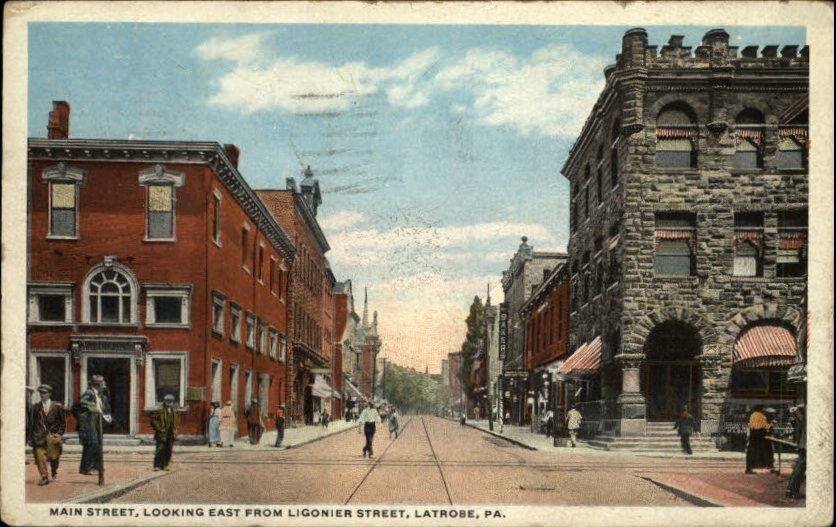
column 472, row 344
column 410, row 390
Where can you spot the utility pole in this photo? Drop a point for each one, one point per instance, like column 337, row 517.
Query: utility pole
column 383, row 381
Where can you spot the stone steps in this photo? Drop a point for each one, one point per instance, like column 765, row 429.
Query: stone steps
column 659, row 437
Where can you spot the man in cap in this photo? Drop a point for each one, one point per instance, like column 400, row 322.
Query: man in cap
column 255, row 424
column 47, row 424
column 164, row 421
column 279, row 426
column 93, row 408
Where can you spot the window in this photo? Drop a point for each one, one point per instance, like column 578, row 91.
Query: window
column 110, row 297
column 262, row 341
column 747, row 154
column 792, row 244
column 160, row 212
column 616, row 135
column 248, row 388
column 64, row 182
column 251, row 331
column 167, row 305
column 615, row 267
column 216, row 217
column 791, row 143
column 235, row 322
column 216, row 380
column 245, row 247
column 749, row 139
column 62, row 210
column 50, row 303
column 260, row 268
column 283, row 348
column 599, row 176
column 166, row 375
column 676, row 134
column 218, row 312
column 272, row 277
column 771, row 381
column 586, row 202
column 233, row 385
column 748, row 244
column 274, row 343
column 675, row 243
column 53, row 368
column 264, row 393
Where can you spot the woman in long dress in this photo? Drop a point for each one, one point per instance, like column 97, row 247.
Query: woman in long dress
column 228, row 425
column 393, row 424
column 215, row 424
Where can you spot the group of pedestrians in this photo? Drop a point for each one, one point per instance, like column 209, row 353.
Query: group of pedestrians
column 223, row 424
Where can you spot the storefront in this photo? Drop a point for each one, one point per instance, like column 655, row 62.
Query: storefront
column 579, row 384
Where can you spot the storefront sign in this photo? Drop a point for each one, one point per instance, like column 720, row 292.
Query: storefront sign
column 503, row 329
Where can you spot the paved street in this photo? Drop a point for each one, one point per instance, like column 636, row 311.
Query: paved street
column 436, row 461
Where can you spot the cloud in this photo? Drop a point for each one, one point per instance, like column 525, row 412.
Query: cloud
column 341, row 220
column 246, row 49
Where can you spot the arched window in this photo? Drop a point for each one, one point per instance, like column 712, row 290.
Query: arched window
column 676, row 134
column 110, row 296
column 749, row 139
column 616, row 134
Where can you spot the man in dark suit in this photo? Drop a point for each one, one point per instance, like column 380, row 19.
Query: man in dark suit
column 93, row 408
column 164, row 423
column 46, row 421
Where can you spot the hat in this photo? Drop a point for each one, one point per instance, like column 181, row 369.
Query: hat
column 45, row 388
column 168, row 397
column 229, row 403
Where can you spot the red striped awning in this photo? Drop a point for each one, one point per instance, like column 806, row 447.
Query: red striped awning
column 753, row 235
column 792, row 132
column 585, row 360
column 663, row 234
column 753, row 134
column 763, row 347
column 677, row 133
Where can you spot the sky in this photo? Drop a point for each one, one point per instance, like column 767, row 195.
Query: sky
column 436, row 146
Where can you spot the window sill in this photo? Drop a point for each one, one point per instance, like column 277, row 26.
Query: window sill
column 245, row 268
column 790, row 171
column 235, row 341
column 217, row 333
column 791, row 278
column 612, row 286
column 109, row 325
column 745, row 171
column 159, row 240
column 217, row 243
column 47, row 323
column 250, row 348
column 676, row 278
column 165, row 325
column 61, row 238
column 688, row 171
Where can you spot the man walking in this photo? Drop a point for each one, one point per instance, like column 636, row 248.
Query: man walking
column 255, row 424
column 279, row 426
column 799, row 471
column 573, row 423
column 93, row 408
column 368, row 419
column 47, row 424
column 164, row 423
column 684, row 426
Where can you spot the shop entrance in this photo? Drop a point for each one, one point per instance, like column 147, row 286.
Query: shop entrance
column 671, row 375
column 117, row 376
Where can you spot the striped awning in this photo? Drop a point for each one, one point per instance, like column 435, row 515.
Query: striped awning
column 764, row 347
column 585, row 360
column 792, row 239
column 677, row 133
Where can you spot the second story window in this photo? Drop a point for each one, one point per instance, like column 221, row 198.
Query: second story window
column 218, row 312
column 791, row 143
column 676, row 136
column 748, row 244
column 251, row 329
column 235, row 322
column 676, row 238
column 64, row 182
column 160, row 186
column 792, row 244
column 110, row 297
column 167, row 305
column 749, row 139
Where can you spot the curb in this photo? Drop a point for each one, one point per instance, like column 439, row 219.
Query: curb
column 315, row 439
column 501, row 436
column 116, row 490
column 691, row 497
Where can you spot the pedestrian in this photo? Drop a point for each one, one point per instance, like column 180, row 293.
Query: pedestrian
column 228, row 425
column 548, row 422
column 325, row 419
column 684, row 426
column 316, row 418
column 255, row 424
column 799, row 471
column 164, row 423
column 279, row 426
column 573, row 424
column 369, row 418
column 758, row 448
column 93, row 408
column 393, row 423
column 47, row 423
column 215, row 424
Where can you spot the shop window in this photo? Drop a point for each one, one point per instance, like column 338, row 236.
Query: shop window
column 235, row 322
column 675, row 244
column 761, row 382
column 218, row 312
column 792, row 244
column 167, row 305
column 111, row 297
column 166, row 374
column 748, row 244
column 50, row 303
column 676, row 136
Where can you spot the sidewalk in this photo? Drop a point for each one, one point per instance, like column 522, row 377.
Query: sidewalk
column 293, row 437
column 521, row 435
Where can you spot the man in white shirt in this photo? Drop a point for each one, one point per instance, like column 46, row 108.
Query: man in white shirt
column 369, row 418
column 573, row 423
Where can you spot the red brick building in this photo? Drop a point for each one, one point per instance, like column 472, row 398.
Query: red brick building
column 309, row 365
column 547, row 337
column 154, row 264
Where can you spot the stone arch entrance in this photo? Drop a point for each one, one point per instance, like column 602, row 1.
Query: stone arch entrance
column 671, row 373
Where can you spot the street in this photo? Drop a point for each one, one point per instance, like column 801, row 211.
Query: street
column 433, row 461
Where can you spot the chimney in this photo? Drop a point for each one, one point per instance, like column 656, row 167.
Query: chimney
column 233, row 153
column 632, row 47
column 59, row 120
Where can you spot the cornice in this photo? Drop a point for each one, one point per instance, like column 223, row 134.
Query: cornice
column 159, row 152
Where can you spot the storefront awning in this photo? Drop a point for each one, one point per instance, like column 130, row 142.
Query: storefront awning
column 585, row 360
column 353, row 392
column 322, row 389
column 764, row 347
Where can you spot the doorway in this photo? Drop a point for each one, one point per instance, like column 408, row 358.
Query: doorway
column 116, row 372
column 671, row 375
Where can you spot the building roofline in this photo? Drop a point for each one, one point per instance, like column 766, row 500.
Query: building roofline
column 207, row 153
column 548, row 284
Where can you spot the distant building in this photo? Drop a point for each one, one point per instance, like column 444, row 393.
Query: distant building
column 688, row 247
column 154, row 264
column 454, row 360
column 527, row 270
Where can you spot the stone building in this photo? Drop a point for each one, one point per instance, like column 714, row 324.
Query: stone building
column 688, row 231
column 528, row 269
